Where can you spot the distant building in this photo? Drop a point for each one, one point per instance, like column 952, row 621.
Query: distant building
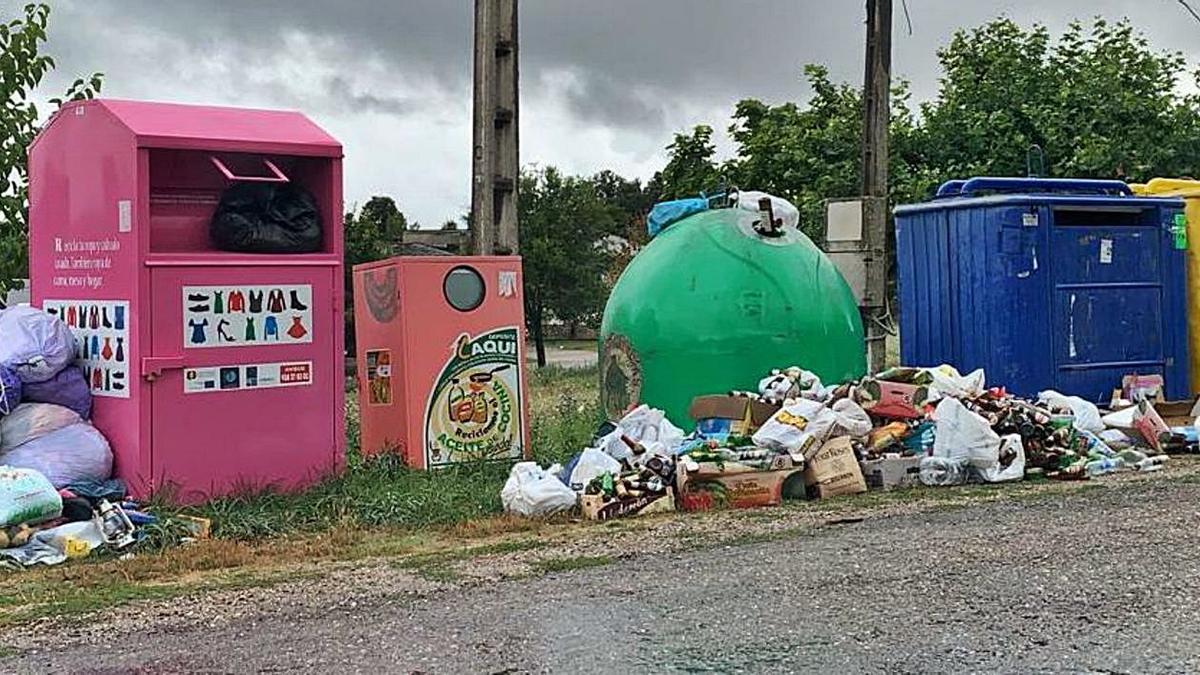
column 455, row 242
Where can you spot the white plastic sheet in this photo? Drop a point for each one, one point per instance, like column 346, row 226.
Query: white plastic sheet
column 533, row 491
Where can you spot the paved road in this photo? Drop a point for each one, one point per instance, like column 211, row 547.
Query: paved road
column 566, row 358
column 1092, row 581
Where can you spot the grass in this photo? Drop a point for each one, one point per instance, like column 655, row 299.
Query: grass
column 382, row 492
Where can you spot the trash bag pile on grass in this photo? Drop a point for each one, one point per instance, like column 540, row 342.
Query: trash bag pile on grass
column 57, row 496
column 797, row 437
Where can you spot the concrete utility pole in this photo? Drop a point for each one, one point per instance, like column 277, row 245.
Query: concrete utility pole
column 495, row 154
column 876, row 116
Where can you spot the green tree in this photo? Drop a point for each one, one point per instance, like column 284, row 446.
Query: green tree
column 631, row 203
column 371, row 234
column 564, row 223
column 1100, row 101
column 691, row 168
column 23, row 66
column 809, row 154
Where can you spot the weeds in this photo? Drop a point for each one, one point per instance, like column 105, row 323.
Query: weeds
column 382, row 492
column 567, row 564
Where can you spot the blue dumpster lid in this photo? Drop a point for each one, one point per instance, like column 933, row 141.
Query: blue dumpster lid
column 992, row 190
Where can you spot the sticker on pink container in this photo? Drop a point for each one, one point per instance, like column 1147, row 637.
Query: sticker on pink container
column 102, row 346
column 246, row 316
column 247, row 377
column 474, row 410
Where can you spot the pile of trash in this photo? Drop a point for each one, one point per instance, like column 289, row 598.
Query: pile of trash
column 795, row 437
column 58, row 499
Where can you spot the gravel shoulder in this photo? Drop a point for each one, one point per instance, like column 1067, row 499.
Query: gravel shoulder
column 1051, row 577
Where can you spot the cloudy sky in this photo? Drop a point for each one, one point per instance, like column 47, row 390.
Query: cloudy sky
column 604, row 82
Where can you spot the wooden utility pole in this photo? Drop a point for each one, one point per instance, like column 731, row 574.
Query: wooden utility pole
column 495, row 153
column 876, row 117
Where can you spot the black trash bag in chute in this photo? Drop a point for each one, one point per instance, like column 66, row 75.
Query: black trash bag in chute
column 266, row 218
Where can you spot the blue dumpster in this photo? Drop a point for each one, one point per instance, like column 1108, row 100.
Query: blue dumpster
column 1045, row 283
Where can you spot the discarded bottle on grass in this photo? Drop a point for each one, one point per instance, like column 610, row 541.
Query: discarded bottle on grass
column 1132, row 456
column 1155, row 463
column 1099, row 467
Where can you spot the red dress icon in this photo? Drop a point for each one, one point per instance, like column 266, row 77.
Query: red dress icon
column 297, row 331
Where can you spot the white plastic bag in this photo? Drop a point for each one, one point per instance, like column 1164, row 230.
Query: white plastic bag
column 31, row 421
column 747, row 200
column 1122, row 419
column 1087, row 415
column 592, row 463
column 851, row 419
column 26, row 496
column 963, row 435
column 948, row 382
column 71, row 454
column 1015, row 470
column 648, row 426
column 50, row 547
column 796, row 427
column 533, row 491
column 942, row 471
column 35, row 344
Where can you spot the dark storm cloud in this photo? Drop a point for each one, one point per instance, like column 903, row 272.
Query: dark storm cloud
column 604, row 82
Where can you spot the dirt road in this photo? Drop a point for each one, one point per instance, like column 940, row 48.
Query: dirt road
column 1088, row 580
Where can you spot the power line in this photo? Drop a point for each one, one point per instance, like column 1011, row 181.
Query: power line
column 908, row 19
column 1190, row 10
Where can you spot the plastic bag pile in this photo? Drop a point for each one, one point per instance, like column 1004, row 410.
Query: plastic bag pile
column 55, row 467
column 45, row 402
column 960, row 429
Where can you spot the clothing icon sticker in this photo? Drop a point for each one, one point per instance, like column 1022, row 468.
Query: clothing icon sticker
column 297, row 331
column 245, row 316
column 102, row 343
column 199, row 335
column 507, row 284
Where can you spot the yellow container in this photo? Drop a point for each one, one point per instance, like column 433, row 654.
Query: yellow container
column 1189, row 190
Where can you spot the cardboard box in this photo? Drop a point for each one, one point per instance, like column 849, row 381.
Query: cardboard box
column 1137, row 387
column 733, row 485
column 1149, row 424
column 735, row 415
column 833, row 470
column 597, row 507
column 892, row 472
column 1178, row 413
column 892, row 399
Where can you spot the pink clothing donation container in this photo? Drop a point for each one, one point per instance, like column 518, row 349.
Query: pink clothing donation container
column 441, row 356
column 213, row 371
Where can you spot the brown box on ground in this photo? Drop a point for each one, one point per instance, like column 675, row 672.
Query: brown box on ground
column 733, row 485
column 833, row 470
column 742, row 416
column 1178, row 413
column 892, row 472
column 597, row 507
